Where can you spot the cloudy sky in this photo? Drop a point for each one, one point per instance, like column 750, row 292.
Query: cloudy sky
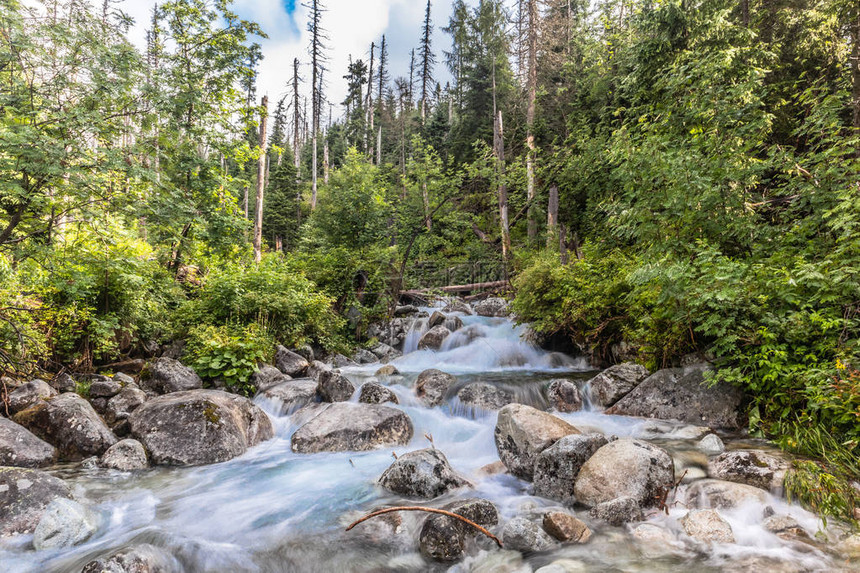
column 351, row 26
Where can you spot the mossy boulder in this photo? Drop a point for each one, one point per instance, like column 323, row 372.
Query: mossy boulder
column 199, row 427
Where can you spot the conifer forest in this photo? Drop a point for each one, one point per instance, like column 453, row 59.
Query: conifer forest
column 530, row 286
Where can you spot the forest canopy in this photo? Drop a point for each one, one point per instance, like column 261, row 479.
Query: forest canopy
column 659, row 178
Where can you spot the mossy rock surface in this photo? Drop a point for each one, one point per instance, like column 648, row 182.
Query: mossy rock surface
column 198, row 427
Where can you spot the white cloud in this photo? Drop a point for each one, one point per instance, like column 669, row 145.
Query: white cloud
column 351, row 26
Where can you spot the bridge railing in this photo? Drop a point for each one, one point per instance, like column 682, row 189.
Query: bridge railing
column 436, row 275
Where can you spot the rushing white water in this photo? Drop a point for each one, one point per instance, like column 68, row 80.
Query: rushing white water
column 272, row 510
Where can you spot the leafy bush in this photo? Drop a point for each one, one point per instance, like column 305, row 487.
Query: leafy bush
column 587, row 299
column 274, row 294
column 229, row 354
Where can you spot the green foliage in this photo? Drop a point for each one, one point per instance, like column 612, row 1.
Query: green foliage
column 229, row 354
column 352, row 209
column 816, row 488
column 586, row 299
column 274, row 293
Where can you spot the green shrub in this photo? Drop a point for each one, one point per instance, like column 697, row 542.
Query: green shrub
column 586, row 299
column 275, row 293
column 231, row 355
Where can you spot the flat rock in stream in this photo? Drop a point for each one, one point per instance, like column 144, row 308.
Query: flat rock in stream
column 522, row 433
column 289, row 396
column 136, row 559
column 752, row 467
column 345, row 426
column 64, row 523
column 484, row 396
column 719, row 494
column 423, row 473
column 432, row 386
column 624, row 468
column 199, row 427
column 21, row 448
column 684, row 394
column 708, row 526
column 24, row 495
column 70, row 424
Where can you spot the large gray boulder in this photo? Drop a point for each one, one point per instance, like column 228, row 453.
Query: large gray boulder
column 523, row 535
column 21, row 448
column 557, row 467
column 522, row 433
column 125, row 455
column 121, row 406
column 432, row 386
column 719, row 494
column 24, row 495
column 484, row 396
column 137, row 559
column 624, row 468
column 564, row 396
column 616, row 382
column 290, row 363
column 494, row 307
column 376, row 393
column 444, row 538
column 423, row 473
column 683, row 394
column 30, row 394
column 64, row 523
column 752, row 467
column 199, row 427
column 317, row 369
column 166, row 375
column 335, row 387
column 433, row 338
column 71, row 424
column 289, row 396
column 345, row 426
column 267, row 376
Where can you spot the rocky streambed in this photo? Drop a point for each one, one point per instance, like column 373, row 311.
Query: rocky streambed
column 571, row 469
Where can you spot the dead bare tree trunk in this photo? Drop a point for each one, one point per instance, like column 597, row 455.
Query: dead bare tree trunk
column 296, row 120
column 261, row 181
column 855, row 67
column 530, row 117
column 499, row 145
column 552, row 217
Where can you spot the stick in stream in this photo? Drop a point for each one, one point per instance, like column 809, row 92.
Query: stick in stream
column 428, row 510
